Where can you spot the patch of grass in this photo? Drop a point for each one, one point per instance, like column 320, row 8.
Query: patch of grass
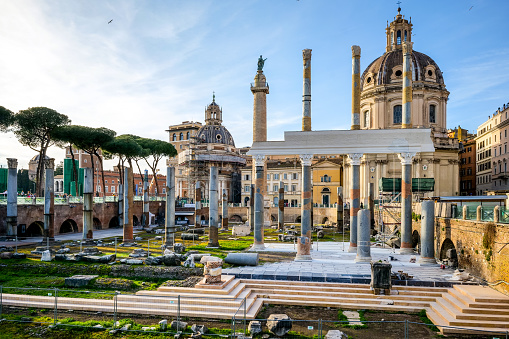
column 424, row 318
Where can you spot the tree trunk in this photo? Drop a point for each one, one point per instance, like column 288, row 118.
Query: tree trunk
column 93, row 170
column 102, row 172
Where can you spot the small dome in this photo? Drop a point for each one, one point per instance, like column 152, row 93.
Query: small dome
column 382, row 70
column 36, row 158
column 215, row 134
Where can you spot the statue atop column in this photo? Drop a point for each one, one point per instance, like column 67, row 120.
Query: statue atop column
column 261, row 62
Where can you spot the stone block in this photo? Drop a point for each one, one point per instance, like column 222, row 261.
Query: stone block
column 79, row 280
column 178, row 325
column 254, row 327
column 336, row 334
column 190, row 262
column 153, row 260
column 179, row 248
column 134, row 262
column 279, row 324
column 18, row 256
column 189, row 236
column 243, row 259
column 199, row 328
column 163, row 325
column 46, row 256
column 241, row 230
column 6, row 255
column 171, row 260
column 63, row 250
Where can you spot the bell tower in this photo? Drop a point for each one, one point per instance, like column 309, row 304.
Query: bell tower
column 213, row 113
column 398, row 31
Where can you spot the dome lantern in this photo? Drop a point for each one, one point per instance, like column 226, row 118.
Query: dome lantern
column 398, row 31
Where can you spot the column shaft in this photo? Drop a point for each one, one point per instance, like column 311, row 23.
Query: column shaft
column 224, row 220
column 258, row 205
column 213, row 208
column 12, row 197
column 88, row 196
column 128, row 203
column 355, row 192
column 145, row 221
column 407, row 86
column 49, row 201
column 406, row 209
column 169, row 220
column 356, row 87
column 306, row 90
column 251, row 206
column 427, row 232
column 120, row 204
column 363, row 236
column 281, row 205
column 197, row 202
column 306, row 201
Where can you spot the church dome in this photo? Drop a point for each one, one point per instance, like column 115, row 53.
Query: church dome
column 215, row 134
column 36, row 157
column 387, row 69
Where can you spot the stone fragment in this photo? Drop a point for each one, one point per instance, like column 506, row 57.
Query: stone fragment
column 320, row 234
column 125, row 327
column 158, row 237
column 279, row 324
column 79, row 280
column 63, row 250
column 254, row 327
column 179, row 248
column 148, row 328
column 196, row 335
column 243, row 259
column 163, row 325
column 171, row 260
column 178, row 325
column 134, row 262
column 199, row 328
column 99, row 326
column 189, row 236
column 99, row 259
column 46, row 256
column 196, row 231
column 6, row 255
column 190, row 262
column 138, row 238
column 61, row 257
column 241, row 230
column 153, row 260
column 18, row 256
column 336, row 334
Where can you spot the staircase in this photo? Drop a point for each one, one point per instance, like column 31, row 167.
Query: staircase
column 476, row 307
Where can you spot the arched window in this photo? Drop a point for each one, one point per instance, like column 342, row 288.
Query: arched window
column 366, row 119
column 181, row 136
column 187, row 136
column 405, row 35
column 432, row 114
column 397, row 115
column 398, row 38
column 174, row 137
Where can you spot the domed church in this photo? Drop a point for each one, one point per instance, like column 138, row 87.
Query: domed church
column 201, row 146
column 381, row 108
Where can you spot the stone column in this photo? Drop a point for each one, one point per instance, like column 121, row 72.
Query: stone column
column 224, row 205
column 169, row 220
column 339, row 209
column 12, row 197
column 306, row 90
column 259, row 162
column 128, row 203
column 355, row 195
column 304, row 241
column 356, row 87
column 197, row 203
column 88, row 198
column 479, row 213
column 281, row 205
column 427, row 232
column 213, row 208
column 145, row 221
column 496, row 214
column 260, row 89
column 49, row 200
column 407, row 85
column 371, row 203
column 120, row 204
column 251, row 206
column 363, row 236
column 406, row 203
column 464, row 212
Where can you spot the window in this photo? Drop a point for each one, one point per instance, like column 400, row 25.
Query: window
column 286, row 188
column 105, row 181
column 85, row 161
column 187, row 135
column 164, row 190
column 432, row 114
column 285, row 176
column 174, row 137
column 397, row 114
column 398, row 38
column 275, row 188
column 112, row 189
column 276, row 176
column 405, row 35
column 295, row 176
column 246, row 177
column 181, row 136
column 268, row 176
column 246, row 189
column 366, row 119
column 98, row 188
column 105, row 189
column 294, row 188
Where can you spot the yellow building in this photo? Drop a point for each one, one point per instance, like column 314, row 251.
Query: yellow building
column 327, row 178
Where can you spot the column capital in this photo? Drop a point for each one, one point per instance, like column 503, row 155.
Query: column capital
column 306, row 54
column 259, row 159
column 49, row 163
column 407, row 47
column 406, row 158
column 306, row 159
column 356, row 51
column 355, row 158
column 12, row 163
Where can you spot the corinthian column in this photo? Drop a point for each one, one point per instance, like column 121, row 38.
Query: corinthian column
column 259, row 162
column 304, row 241
column 355, row 194
column 306, row 90
column 406, row 202
column 356, row 87
column 407, row 85
column 49, row 200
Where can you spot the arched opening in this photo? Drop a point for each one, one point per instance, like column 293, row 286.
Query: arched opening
column 326, row 196
column 397, row 114
column 68, row 226
column 235, row 218
column 273, row 217
column 136, row 222
column 446, row 245
column 298, row 219
column 113, row 223
column 181, row 136
column 432, row 114
column 325, row 220
column 398, row 38
column 97, row 224
column 187, row 135
column 415, row 239
column 246, row 201
column 174, row 137
column 35, row 229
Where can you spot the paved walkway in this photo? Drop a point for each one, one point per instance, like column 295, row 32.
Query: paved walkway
column 332, row 263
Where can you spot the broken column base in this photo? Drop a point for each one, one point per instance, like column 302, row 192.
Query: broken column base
column 303, row 249
column 427, row 261
column 257, row 247
column 406, row 250
column 352, row 248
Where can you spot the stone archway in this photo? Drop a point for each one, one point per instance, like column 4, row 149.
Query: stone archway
column 35, row 229
column 113, row 223
column 136, row 221
column 446, row 245
column 416, row 238
column 273, row 218
column 97, row 224
column 298, row 220
column 68, row 226
column 325, row 220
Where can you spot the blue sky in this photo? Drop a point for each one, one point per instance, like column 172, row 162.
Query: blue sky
column 158, row 62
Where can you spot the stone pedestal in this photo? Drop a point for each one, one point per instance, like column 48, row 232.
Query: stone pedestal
column 212, row 270
column 427, row 233
column 303, row 249
column 363, row 237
